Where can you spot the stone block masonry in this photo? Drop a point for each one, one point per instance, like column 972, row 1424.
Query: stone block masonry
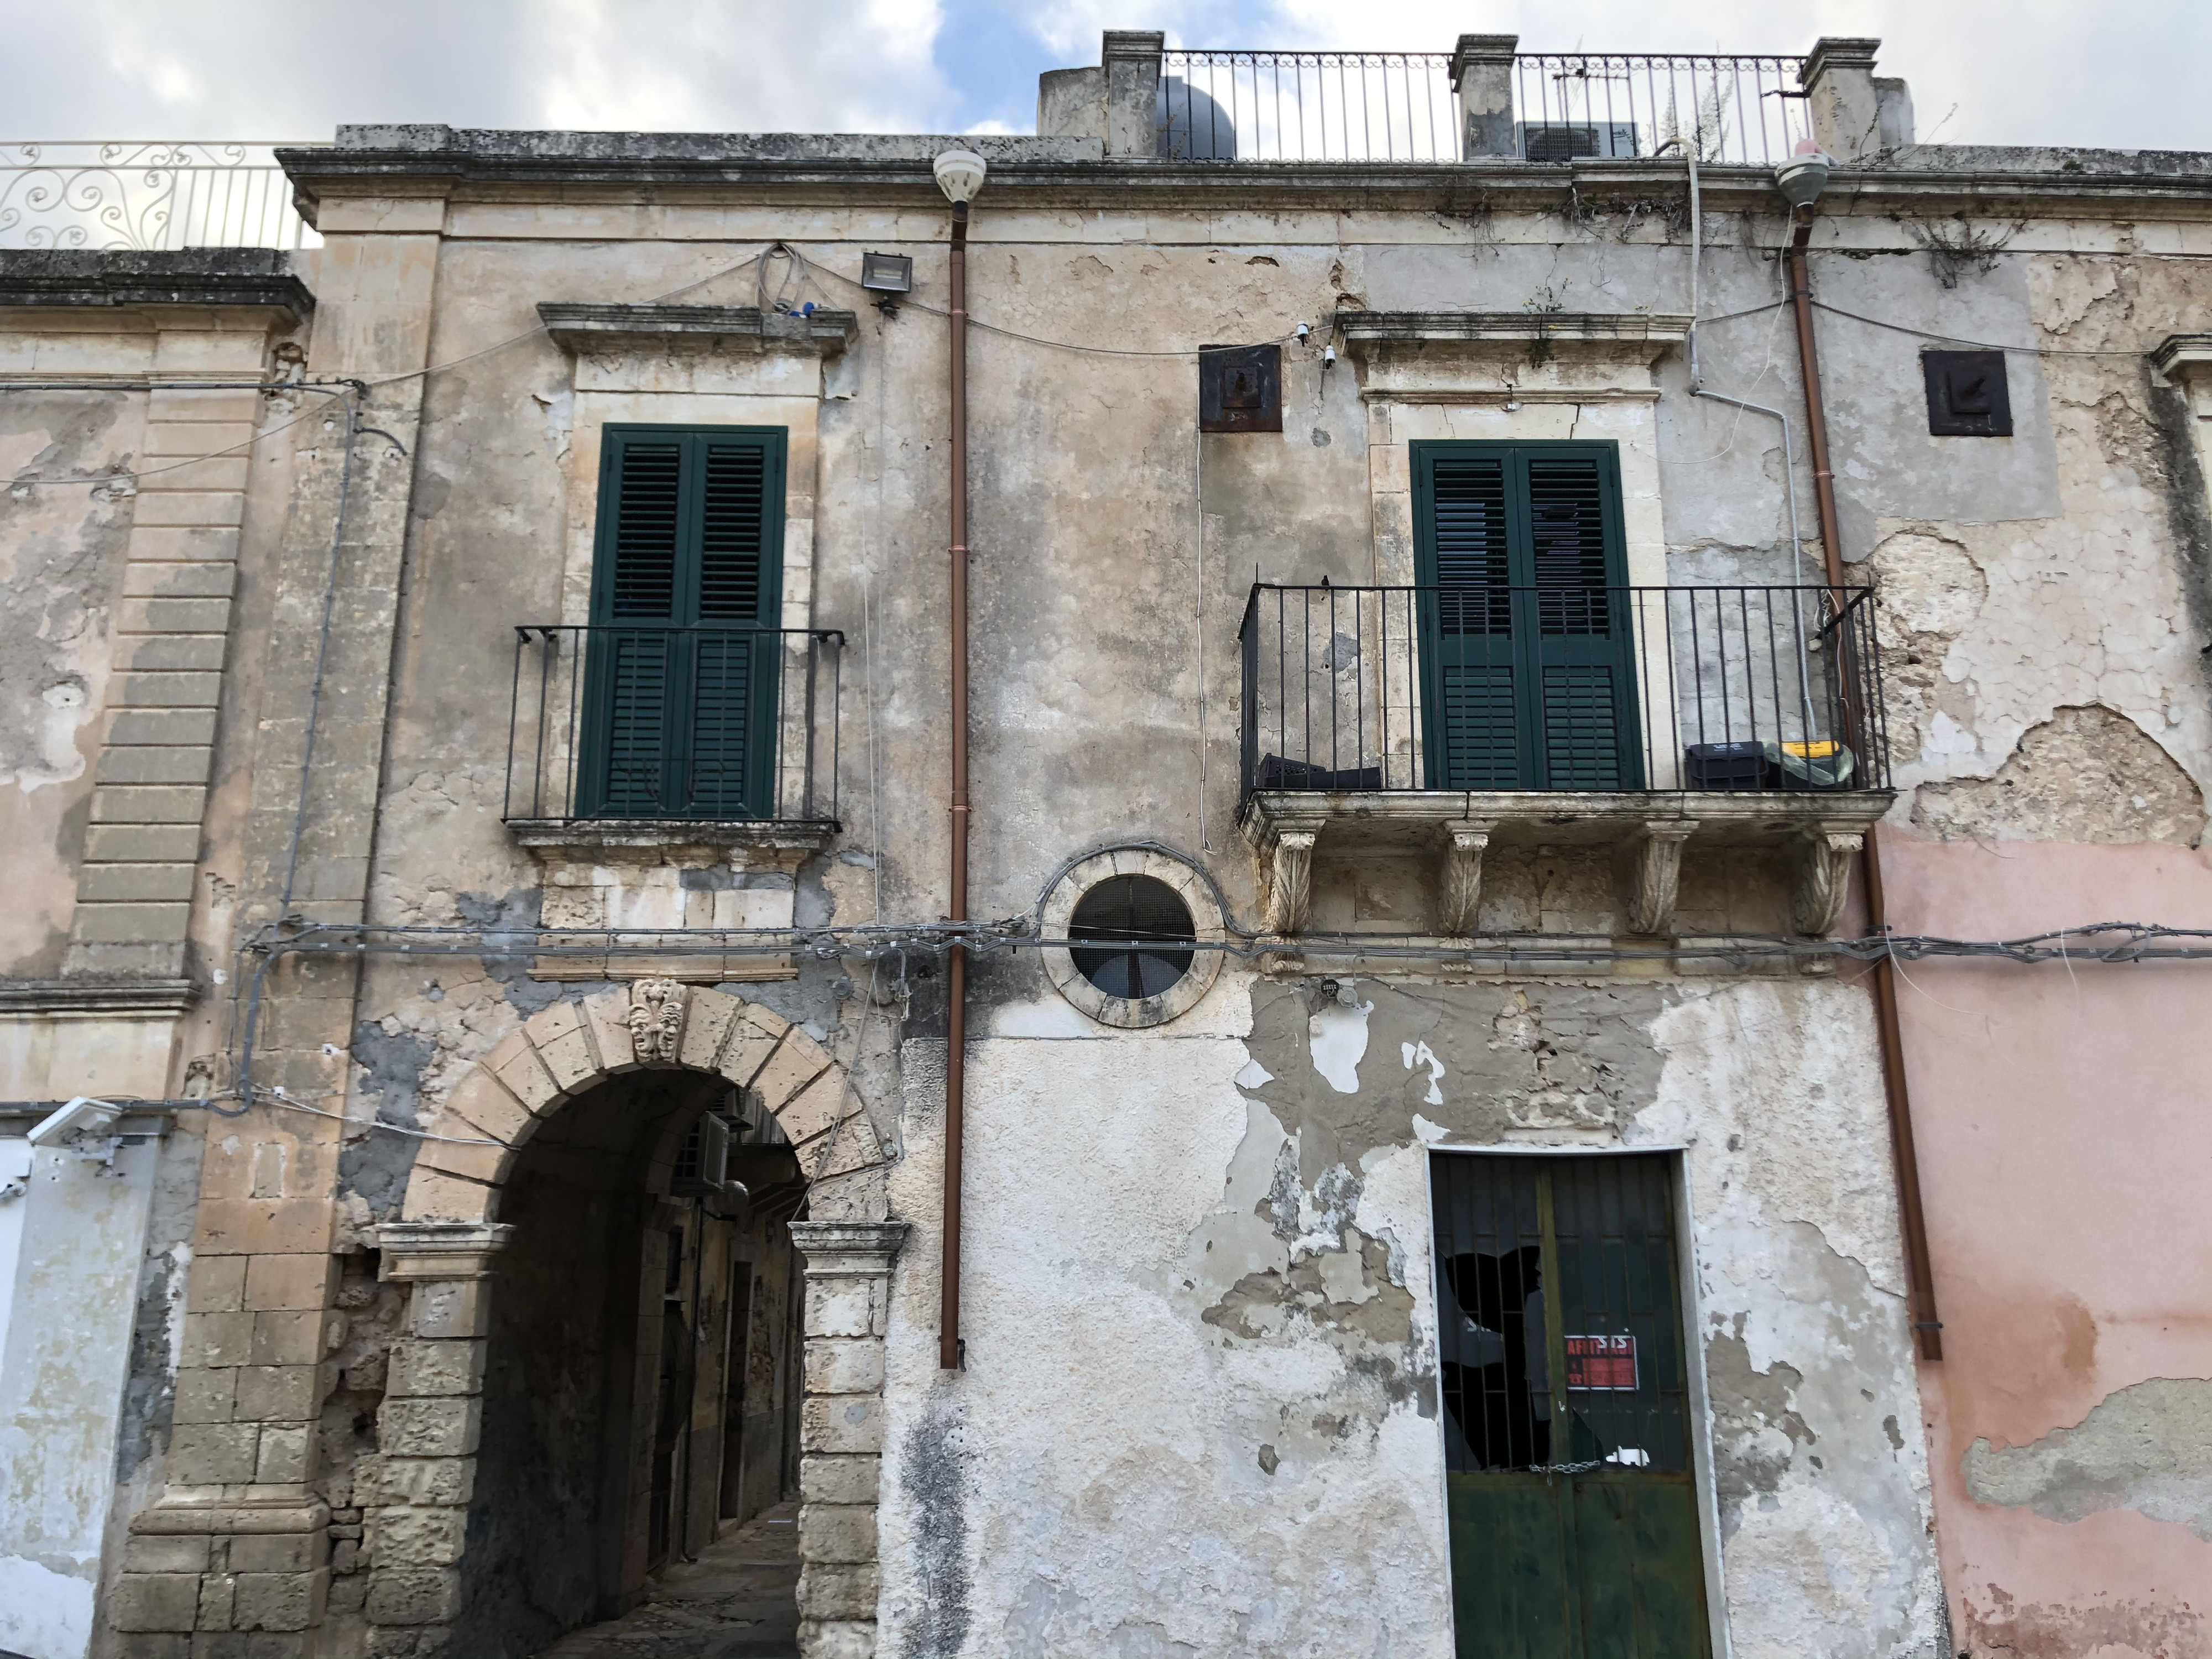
column 173, row 626
column 848, row 1269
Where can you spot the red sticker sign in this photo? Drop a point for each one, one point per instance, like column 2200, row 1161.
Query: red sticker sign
column 1601, row 1362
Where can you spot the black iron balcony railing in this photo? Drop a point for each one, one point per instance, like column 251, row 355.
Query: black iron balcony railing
column 1607, row 689
column 636, row 721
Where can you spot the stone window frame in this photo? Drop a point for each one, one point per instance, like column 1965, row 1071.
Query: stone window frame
column 1133, row 1013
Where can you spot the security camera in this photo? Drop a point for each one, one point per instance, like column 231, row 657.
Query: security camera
column 81, row 1116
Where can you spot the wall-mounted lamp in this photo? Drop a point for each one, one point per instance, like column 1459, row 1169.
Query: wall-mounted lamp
column 959, row 175
column 1804, row 175
column 887, row 273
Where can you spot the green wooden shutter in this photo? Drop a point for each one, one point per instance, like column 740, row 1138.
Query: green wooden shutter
column 680, row 683
column 733, row 739
column 640, row 547
column 1588, row 714
column 1527, row 673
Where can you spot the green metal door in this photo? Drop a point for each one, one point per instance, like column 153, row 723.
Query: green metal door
column 1572, row 1507
column 1526, row 640
column 681, row 666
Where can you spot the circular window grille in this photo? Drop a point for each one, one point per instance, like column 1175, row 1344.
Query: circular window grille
column 1133, row 919
column 1135, row 924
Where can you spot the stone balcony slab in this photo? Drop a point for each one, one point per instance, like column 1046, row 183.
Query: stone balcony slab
column 1648, row 829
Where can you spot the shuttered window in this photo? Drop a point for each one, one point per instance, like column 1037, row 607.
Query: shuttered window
column 1526, row 653
column 680, row 676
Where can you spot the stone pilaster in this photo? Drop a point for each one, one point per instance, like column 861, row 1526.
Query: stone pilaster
column 1837, row 76
column 413, row 1493
column 848, row 1269
column 1482, row 79
column 239, row 1541
column 1131, row 58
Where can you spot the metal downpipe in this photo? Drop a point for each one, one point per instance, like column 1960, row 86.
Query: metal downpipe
column 956, row 985
column 1926, row 1325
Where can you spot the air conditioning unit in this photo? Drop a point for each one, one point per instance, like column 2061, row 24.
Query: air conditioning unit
column 1575, row 141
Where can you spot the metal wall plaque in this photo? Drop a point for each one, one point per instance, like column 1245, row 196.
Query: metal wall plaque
column 1967, row 396
column 1240, row 388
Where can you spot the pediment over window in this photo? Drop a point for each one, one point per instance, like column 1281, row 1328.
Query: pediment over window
column 1460, row 356
column 719, row 350
column 578, row 326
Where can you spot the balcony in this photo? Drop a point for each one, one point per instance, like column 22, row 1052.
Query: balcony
column 668, row 779
column 1646, row 720
column 650, row 728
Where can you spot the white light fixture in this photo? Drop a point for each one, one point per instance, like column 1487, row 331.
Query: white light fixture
column 959, row 175
column 1804, row 175
column 80, row 1116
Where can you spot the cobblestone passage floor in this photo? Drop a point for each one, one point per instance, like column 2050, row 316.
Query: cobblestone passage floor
column 737, row 1601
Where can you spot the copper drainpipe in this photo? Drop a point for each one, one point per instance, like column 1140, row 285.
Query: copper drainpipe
column 956, row 981
column 1919, row 1269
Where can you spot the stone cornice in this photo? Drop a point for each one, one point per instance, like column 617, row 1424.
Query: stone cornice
column 894, row 169
column 581, row 327
column 152, row 999
column 2183, row 356
column 190, row 277
column 440, row 1249
column 848, row 1247
column 1633, row 333
column 583, row 839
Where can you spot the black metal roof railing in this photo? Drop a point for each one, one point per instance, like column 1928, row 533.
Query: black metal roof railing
column 1402, row 107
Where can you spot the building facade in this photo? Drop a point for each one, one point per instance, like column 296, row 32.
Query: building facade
column 1441, row 1160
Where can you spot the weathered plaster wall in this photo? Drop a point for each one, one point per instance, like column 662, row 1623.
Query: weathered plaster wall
column 1200, row 1408
column 2039, row 575
column 72, row 1293
column 62, row 548
column 2059, row 1116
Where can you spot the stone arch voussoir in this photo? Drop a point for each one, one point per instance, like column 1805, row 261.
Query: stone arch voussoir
column 570, row 1047
column 415, row 1491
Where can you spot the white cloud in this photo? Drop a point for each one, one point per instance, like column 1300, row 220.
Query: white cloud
column 296, row 69
column 2107, row 72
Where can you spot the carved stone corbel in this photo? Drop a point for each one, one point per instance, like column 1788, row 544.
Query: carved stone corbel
column 1654, row 877
column 1823, row 867
column 657, row 1008
column 1289, row 873
column 1460, row 900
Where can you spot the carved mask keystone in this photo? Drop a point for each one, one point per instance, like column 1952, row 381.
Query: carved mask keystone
column 657, row 1008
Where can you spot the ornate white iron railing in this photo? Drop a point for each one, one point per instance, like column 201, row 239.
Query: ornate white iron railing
column 146, row 195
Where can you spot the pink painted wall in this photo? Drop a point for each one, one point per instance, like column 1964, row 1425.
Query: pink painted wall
column 2064, row 1123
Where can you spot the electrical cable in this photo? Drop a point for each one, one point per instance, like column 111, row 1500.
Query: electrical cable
column 327, row 389
column 1979, row 345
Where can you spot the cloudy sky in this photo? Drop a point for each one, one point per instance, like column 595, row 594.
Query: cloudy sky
column 2117, row 73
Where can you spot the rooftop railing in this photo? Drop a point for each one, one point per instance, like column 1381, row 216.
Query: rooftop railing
column 1405, row 106
column 1600, row 689
column 146, row 197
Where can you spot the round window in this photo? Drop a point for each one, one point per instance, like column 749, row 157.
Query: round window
column 1131, row 924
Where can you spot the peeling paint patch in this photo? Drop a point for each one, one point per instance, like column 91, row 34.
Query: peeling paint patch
column 2085, row 775
column 2145, row 1448
column 1336, row 1038
column 1420, row 1054
column 2001, row 1625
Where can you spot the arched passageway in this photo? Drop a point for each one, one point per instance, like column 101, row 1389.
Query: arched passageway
column 611, row 1307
